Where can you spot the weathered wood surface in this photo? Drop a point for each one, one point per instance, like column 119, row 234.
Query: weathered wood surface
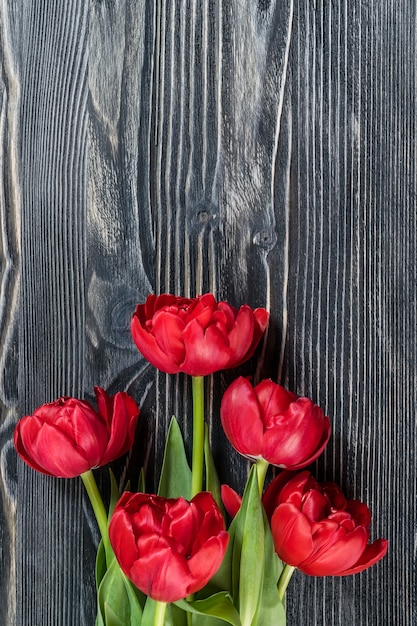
column 261, row 150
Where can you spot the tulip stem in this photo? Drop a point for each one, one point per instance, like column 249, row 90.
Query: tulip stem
column 98, row 508
column 159, row 616
column 198, row 435
column 261, row 469
column 284, row 579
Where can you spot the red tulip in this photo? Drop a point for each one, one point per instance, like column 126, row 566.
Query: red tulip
column 67, row 437
column 169, row 548
column 269, row 422
column 197, row 336
column 317, row 530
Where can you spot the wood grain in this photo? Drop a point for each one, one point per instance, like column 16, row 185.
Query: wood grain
column 264, row 151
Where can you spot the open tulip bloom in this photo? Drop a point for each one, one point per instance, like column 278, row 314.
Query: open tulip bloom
column 167, row 557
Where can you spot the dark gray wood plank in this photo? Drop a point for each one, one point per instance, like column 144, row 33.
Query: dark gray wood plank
column 51, row 531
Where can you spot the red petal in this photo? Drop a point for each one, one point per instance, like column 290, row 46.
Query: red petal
column 167, row 329
column 205, row 352
column 241, row 335
column 231, row 500
column 24, row 449
column 296, row 437
column 211, row 520
column 163, row 575
column 148, row 346
column 261, row 317
column 291, row 532
column 241, row 418
column 49, row 450
column 273, row 399
column 360, row 512
column 205, row 563
column 334, row 550
column 295, row 489
column 123, row 539
column 270, row 499
column 121, row 428
column 230, row 314
column 182, row 526
column 373, row 553
column 104, row 405
column 315, row 505
column 90, row 433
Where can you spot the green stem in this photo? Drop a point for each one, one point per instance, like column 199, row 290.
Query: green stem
column 96, row 501
column 198, row 435
column 99, row 510
column 284, row 579
column 262, row 468
column 159, row 617
column 189, row 618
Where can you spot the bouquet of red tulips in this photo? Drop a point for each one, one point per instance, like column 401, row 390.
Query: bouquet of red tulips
column 169, row 558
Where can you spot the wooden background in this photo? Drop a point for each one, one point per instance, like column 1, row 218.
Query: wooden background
column 263, row 150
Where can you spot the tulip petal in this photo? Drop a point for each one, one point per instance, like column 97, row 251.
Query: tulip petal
column 121, row 429
column 261, row 317
column 334, row 550
column 167, row 328
column 163, row 575
column 373, row 553
column 297, row 436
column 315, row 505
column 210, row 520
column 205, row 351
column 241, row 418
column 291, row 532
column 205, row 563
column 231, row 500
column 87, row 430
column 295, row 488
column 318, row 451
column 149, row 347
column 273, row 399
column 271, row 497
column 49, row 450
column 360, row 512
column 122, row 539
column 23, row 445
column 241, row 335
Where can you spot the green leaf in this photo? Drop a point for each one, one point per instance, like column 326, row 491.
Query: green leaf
column 111, row 618
column 101, row 565
column 119, row 603
column 148, row 613
column 141, row 482
column 114, row 493
column 175, row 478
column 249, row 552
column 212, row 479
column 272, row 610
column 219, row 605
column 174, row 616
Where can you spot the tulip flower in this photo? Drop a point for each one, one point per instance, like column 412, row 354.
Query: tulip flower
column 66, row 438
column 169, row 548
column 267, row 422
column 197, row 336
column 317, row 530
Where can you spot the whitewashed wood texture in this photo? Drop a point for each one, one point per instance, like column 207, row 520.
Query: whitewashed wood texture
column 265, row 151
